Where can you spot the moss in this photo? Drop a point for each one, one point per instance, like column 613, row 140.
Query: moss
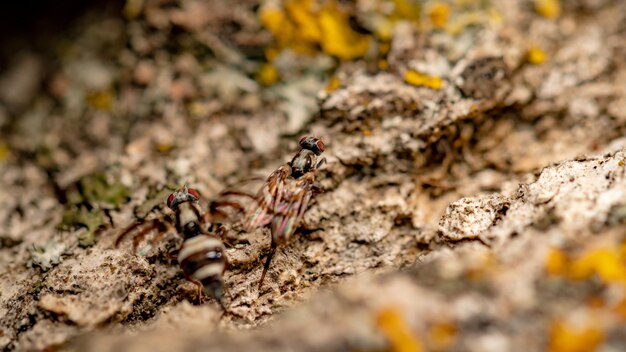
column 78, row 216
column 97, row 188
column 36, row 287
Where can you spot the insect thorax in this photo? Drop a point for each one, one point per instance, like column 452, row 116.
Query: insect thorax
column 187, row 220
column 302, row 162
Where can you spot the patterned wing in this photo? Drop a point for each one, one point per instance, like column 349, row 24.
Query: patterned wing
column 294, row 201
column 262, row 210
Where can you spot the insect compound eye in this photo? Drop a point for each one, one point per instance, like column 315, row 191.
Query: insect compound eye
column 170, row 199
column 320, row 145
column 313, row 144
column 193, row 193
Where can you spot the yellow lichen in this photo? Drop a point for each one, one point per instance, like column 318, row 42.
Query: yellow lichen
column 418, row 79
column 276, row 21
column 482, row 266
column 304, row 25
column 4, row 151
column 467, row 19
column 271, row 54
column 438, row 15
column 536, row 55
column 607, row 263
column 406, row 10
column 302, row 13
column 384, row 47
column 333, row 84
column 548, row 8
column 164, row 147
column 102, row 100
column 133, row 8
column 567, row 338
column 383, row 28
column 267, row 74
column 339, row 39
column 495, row 17
column 556, row 262
column 393, row 325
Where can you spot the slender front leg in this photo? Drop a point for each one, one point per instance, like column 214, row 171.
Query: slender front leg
column 267, row 262
column 320, row 163
column 199, row 288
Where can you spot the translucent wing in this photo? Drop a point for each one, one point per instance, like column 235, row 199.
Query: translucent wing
column 262, row 211
column 294, row 200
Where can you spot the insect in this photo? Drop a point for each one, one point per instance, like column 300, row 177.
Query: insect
column 201, row 255
column 285, row 195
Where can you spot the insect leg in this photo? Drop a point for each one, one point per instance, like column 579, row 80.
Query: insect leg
column 162, row 234
column 173, row 254
column 234, row 193
column 220, row 232
column 320, row 163
column 199, row 288
column 267, row 263
column 154, row 224
column 127, row 231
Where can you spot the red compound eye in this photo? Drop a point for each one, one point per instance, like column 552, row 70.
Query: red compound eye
column 302, row 139
column 169, row 200
column 194, row 193
column 320, row 145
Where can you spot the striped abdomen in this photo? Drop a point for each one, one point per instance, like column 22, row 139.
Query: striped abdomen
column 202, row 259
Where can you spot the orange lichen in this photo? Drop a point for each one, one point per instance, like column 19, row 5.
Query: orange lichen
column 393, row 325
column 548, row 8
column 567, row 338
column 442, row 336
column 418, row 79
column 620, row 309
column 595, row 302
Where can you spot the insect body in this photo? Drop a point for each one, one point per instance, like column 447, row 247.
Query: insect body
column 283, row 199
column 202, row 254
